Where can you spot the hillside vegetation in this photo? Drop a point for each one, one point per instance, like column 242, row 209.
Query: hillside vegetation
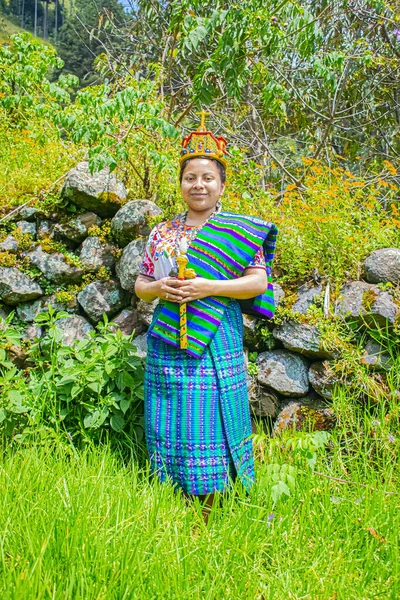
column 306, row 94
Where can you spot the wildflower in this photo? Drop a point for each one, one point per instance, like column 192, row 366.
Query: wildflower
column 271, row 516
column 397, row 34
column 391, row 438
column 376, row 422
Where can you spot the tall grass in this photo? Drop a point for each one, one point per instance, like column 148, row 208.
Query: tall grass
column 89, row 527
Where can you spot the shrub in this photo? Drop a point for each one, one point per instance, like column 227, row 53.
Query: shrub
column 89, row 393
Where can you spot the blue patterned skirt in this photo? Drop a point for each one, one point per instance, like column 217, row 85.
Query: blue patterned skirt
column 197, row 416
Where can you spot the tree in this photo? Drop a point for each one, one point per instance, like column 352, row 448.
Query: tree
column 86, row 33
column 282, row 78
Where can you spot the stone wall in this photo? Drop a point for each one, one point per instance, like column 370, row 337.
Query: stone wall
column 291, row 383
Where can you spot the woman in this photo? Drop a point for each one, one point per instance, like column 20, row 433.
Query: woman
column 197, row 417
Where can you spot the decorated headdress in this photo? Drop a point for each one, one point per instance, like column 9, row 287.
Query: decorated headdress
column 204, row 143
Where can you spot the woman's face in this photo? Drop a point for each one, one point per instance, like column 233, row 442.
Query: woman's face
column 201, row 184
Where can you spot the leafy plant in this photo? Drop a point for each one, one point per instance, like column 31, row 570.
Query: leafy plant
column 302, row 449
column 90, row 392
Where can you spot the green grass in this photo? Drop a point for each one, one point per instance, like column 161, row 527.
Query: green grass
column 87, row 527
column 8, row 27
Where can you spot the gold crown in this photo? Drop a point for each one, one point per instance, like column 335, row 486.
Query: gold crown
column 204, row 143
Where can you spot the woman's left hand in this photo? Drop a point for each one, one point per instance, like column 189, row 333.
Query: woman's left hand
column 194, row 289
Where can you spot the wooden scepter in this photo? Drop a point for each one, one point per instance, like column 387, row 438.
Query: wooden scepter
column 183, row 273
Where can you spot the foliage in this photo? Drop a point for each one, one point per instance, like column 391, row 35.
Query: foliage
column 304, row 450
column 85, row 33
column 25, row 89
column 284, row 79
column 326, row 229
column 115, row 123
column 85, row 394
column 121, row 125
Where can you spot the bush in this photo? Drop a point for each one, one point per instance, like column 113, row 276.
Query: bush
column 89, row 393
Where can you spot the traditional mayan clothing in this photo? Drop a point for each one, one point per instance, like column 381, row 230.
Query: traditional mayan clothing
column 197, row 416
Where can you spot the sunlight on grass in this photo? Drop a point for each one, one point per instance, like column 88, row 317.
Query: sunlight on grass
column 87, row 526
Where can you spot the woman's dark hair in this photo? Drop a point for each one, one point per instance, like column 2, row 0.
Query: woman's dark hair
column 221, row 168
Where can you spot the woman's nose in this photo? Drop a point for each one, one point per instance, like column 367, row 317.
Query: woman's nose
column 198, row 183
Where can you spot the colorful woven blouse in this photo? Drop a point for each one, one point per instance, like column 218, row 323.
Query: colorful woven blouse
column 223, row 249
column 159, row 256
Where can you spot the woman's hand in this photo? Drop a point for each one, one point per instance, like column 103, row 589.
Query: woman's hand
column 253, row 282
column 194, row 289
column 148, row 289
column 168, row 289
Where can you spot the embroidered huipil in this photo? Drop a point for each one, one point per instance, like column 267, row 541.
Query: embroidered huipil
column 159, row 256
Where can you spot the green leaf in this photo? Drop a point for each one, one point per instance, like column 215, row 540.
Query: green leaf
column 76, row 390
column 14, row 396
column 18, row 409
column 95, row 386
column 124, row 404
column 3, row 415
column 117, row 422
column 96, row 418
column 140, row 392
column 279, row 490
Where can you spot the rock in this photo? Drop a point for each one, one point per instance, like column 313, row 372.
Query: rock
column 278, row 293
column 306, row 294
column 127, row 321
column 129, row 264
column 76, row 229
column 28, row 311
column 302, row 338
column 140, row 342
column 95, row 254
column 249, row 330
column 131, row 220
column 284, row 372
column 69, row 305
column 55, row 266
column 365, row 302
column 28, row 213
column 101, row 192
column 383, row 265
column 145, row 311
column 32, row 332
column 10, row 244
column 45, row 229
column 102, row 297
column 73, row 329
column 309, row 413
column 27, row 228
column 16, row 287
column 375, row 356
column 263, row 400
column 323, row 378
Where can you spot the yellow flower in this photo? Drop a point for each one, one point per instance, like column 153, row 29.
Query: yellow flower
column 391, row 168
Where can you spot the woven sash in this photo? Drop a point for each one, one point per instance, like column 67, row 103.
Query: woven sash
column 223, row 249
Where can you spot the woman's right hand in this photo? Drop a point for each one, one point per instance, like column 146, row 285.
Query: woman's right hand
column 167, row 290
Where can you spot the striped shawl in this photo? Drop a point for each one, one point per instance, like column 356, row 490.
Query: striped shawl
column 222, row 250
